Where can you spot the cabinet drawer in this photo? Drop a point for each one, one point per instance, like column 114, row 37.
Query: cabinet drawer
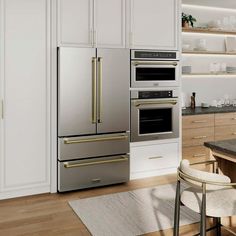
column 225, row 119
column 225, row 132
column 93, row 172
column 153, row 157
column 196, row 153
column 91, row 146
column 198, row 121
column 196, row 137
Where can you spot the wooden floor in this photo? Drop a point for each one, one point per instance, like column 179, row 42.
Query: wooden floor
column 50, row 214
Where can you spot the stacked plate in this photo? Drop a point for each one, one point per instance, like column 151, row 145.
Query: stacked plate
column 231, row 69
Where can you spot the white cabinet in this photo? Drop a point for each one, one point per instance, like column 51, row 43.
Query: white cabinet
column 154, row 24
column 110, row 23
column 75, row 22
column 91, row 23
column 153, row 159
column 25, row 84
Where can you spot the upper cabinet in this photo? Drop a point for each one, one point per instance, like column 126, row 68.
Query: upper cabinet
column 91, row 23
column 154, row 24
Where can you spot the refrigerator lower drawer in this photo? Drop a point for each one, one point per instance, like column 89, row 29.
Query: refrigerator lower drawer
column 93, row 172
column 92, row 146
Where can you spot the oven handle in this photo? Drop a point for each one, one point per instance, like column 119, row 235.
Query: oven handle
column 168, row 63
column 138, row 103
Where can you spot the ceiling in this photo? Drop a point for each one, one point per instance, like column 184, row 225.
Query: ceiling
column 213, row 3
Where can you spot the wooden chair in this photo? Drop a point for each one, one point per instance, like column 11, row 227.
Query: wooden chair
column 209, row 194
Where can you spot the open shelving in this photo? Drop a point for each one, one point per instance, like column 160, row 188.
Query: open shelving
column 208, row 52
column 208, row 31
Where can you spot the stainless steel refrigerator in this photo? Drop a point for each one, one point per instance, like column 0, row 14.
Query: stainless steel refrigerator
column 93, row 117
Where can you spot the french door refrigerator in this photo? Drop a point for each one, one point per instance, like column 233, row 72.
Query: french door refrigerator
column 93, row 117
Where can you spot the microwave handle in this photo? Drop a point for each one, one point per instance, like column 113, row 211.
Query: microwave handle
column 141, row 103
column 167, row 63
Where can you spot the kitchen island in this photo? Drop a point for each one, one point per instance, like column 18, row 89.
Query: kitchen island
column 225, row 153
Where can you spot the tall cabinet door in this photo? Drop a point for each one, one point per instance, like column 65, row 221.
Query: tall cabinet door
column 110, row 23
column 76, row 91
column 113, row 90
column 155, row 24
column 75, row 22
column 25, row 90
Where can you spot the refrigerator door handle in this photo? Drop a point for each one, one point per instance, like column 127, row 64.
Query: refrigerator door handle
column 99, row 139
column 100, row 60
column 122, row 159
column 94, row 90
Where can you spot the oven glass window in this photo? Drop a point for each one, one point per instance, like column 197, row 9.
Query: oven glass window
column 155, row 120
column 155, row 74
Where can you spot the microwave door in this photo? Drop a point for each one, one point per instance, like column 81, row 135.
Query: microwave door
column 113, row 90
column 76, row 96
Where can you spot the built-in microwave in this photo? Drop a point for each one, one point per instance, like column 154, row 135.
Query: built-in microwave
column 154, row 69
column 154, row 114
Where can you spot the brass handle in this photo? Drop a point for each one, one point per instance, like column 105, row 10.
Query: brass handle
column 199, row 155
column 2, row 109
column 67, row 165
column 136, row 63
column 94, row 90
column 234, row 118
column 100, row 89
column 199, row 121
column 199, row 137
column 234, row 133
column 172, row 102
column 88, row 140
column 96, row 180
column 157, row 157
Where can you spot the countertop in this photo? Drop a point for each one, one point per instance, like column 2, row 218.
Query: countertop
column 199, row 110
column 226, row 146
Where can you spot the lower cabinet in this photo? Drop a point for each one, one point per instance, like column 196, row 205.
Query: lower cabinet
column 198, row 129
column 153, row 159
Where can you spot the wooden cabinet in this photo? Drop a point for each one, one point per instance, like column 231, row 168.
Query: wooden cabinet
column 197, row 129
column 25, row 74
column 225, row 126
column 148, row 160
column 91, row 23
column 154, row 24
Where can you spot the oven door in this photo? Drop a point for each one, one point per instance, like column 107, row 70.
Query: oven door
column 154, row 73
column 153, row 119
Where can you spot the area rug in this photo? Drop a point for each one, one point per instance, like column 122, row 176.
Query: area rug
column 131, row 213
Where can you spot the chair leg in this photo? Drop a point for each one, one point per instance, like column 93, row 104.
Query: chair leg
column 177, row 210
column 203, row 215
column 218, row 230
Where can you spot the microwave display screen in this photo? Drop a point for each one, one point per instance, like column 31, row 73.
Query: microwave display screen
column 155, row 74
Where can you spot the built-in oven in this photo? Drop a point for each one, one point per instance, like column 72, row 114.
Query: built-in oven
column 154, row 68
column 154, row 114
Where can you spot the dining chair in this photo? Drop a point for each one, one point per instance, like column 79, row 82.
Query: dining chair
column 209, row 194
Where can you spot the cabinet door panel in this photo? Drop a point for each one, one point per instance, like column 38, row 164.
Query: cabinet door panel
column 75, row 22
column 154, row 24
column 114, row 96
column 110, row 23
column 26, row 111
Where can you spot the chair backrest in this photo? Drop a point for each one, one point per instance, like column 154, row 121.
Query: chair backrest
column 203, row 175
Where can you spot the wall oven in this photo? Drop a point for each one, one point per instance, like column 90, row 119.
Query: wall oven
column 154, row 114
column 154, row 68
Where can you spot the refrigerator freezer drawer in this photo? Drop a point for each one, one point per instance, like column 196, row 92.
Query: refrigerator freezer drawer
column 93, row 172
column 92, row 146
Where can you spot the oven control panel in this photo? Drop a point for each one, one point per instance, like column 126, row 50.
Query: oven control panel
column 155, row 94
column 154, row 55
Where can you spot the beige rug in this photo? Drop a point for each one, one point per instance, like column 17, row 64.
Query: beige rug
column 131, row 213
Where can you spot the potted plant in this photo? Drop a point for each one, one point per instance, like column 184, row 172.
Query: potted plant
column 187, row 19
